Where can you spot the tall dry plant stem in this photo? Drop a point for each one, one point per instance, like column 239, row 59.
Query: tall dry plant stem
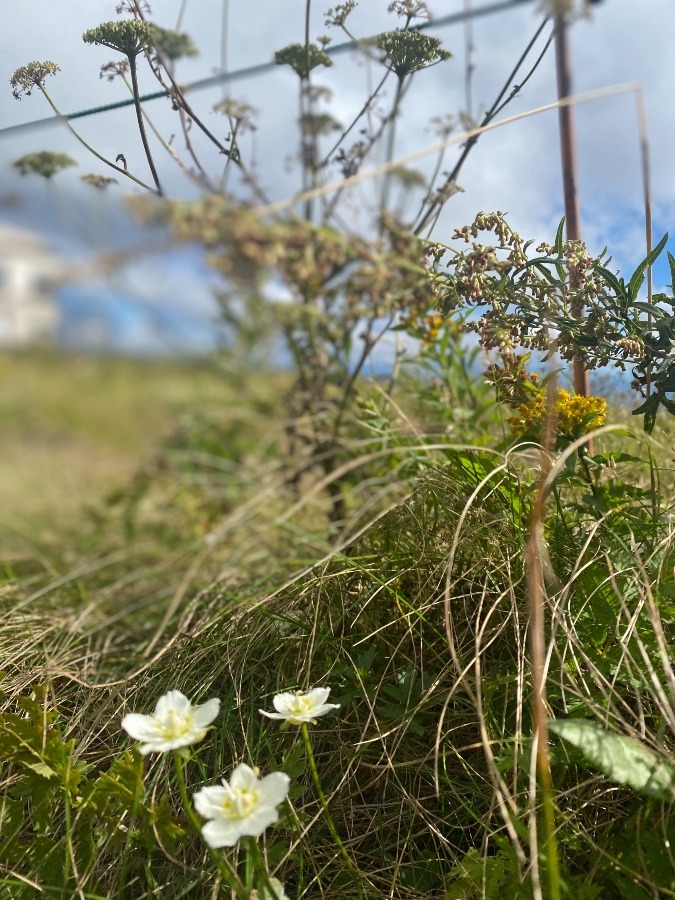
column 647, row 193
column 536, row 597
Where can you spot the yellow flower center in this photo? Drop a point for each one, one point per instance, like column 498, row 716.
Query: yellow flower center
column 241, row 802
column 175, row 725
column 301, row 704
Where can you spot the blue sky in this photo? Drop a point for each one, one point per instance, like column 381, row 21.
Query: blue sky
column 515, row 169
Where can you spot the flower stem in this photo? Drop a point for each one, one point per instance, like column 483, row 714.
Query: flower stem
column 324, row 803
column 141, row 126
column 224, row 867
column 259, row 866
column 87, row 146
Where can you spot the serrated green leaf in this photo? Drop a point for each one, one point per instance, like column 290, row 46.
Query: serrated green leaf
column 295, row 763
column 623, row 759
column 40, row 768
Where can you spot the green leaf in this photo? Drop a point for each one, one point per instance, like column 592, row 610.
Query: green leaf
column 558, row 244
column 41, row 768
column 295, row 763
column 623, row 759
column 603, row 459
column 648, row 409
column 638, row 277
column 618, row 287
column 651, row 309
column 671, row 263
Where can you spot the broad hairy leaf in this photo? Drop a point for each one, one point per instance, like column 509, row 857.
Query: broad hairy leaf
column 623, row 759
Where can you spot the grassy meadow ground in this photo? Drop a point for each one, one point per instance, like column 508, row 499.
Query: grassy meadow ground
column 154, row 541
column 76, row 427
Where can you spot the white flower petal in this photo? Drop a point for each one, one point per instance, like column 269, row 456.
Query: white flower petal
column 152, row 747
column 243, row 778
column 221, row 833
column 245, row 806
column 209, row 800
column 207, row 712
column 302, row 706
column 319, row 695
column 172, row 700
column 140, row 727
column 282, row 702
column 274, row 788
column 277, row 888
column 174, row 724
column 257, row 822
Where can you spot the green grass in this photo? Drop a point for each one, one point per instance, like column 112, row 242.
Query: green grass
column 210, row 570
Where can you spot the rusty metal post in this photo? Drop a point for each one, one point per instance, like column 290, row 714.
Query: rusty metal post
column 569, row 169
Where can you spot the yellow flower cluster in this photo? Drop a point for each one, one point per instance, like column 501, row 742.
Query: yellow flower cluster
column 575, row 415
column 426, row 328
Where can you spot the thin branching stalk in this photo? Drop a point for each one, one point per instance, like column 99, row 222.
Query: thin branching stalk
column 647, row 196
column 391, row 140
column 141, row 125
column 500, row 102
column 202, row 180
column 88, row 147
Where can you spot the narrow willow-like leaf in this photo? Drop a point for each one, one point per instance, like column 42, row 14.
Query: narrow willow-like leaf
column 623, row 759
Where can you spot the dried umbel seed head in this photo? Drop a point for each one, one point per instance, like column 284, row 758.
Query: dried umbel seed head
column 45, row 163
column 130, row 36
column 100, row 182
column 172, row 45
column 410, row 51
column 32, row 75
column 302, row 59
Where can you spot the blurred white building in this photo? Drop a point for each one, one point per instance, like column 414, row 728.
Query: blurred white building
column 29, row 275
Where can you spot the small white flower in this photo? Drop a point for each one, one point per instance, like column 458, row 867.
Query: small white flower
column 298, row 707
column 277, row 887
column 175, row 723
column 243, row 808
